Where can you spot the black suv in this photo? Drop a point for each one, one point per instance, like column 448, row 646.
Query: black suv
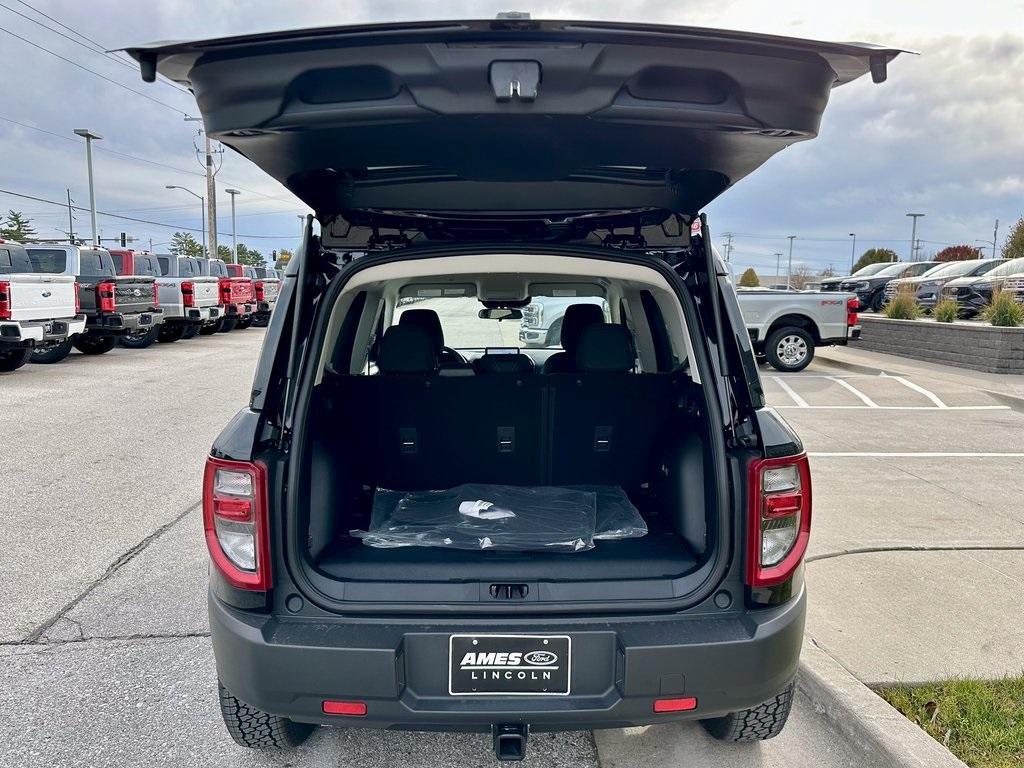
column 458, row 169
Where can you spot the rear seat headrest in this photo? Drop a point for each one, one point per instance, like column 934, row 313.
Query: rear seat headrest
column 503, row 364
column 578, row 317
column 428, row 320
column 606, row 347
column 406, row 349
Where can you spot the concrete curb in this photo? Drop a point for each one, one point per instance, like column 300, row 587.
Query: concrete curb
column 886, row 737
column 846, row 365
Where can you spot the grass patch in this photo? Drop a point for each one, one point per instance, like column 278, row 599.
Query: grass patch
column 1004, row 311
column 903, row 306
column 981, row 721
column 946, row 311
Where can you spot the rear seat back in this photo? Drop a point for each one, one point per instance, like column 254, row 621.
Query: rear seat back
column 416, row 430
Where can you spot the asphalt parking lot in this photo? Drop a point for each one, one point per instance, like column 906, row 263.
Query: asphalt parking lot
column 105, row 656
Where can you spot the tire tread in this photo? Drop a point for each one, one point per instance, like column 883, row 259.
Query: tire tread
column 256, row 729
column 765, row 721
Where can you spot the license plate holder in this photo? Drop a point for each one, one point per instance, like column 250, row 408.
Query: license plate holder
column 509, row 665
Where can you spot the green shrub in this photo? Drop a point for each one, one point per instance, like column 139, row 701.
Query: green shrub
column 903, row 306
column 1004, row 311
column 946, row 311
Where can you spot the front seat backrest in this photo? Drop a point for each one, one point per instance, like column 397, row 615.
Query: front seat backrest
column 406, row 349
column 576, row 319
column 503, row 363
column 428, row 320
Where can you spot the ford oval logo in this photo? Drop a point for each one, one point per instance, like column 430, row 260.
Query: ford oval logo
column 136, row 292
column 47, row 294
column 540, row 658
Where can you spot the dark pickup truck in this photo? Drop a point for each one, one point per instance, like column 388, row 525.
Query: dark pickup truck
column 114, row 305
column 237, row 295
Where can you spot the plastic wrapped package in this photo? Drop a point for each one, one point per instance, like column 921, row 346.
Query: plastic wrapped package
column 617, row 518
column 477, row 516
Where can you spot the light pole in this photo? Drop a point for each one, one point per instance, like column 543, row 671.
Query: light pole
column 789, row 269
column 234, row 232
column 302, row 225
column 202, row 210
column 853, row 250
column 88, row 135
column 913, row 235
column 778, row 265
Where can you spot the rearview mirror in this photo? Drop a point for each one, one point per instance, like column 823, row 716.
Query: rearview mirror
column 500, row 313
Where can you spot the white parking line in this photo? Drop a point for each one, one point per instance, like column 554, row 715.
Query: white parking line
column 918, row 388
column 924, row 408
column 800, row 402
column 849, row 387
column 922, row 455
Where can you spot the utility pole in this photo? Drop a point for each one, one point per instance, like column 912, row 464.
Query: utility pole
column 71, row 220
column 234, row 232
column 728, row 245
column 302, row 225
column 88, row 135
column 853, row 251
column 995, row 236
column 202, row 215
column 789, row 269
column 211, row 189
column 913, row 235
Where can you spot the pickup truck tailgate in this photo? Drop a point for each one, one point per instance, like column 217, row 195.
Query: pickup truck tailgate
column 40, row 297
column 242, row 291
column 134, row 293
column 206, row 291
column 270, row 289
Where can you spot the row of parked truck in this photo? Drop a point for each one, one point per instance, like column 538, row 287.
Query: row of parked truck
column 54, row 298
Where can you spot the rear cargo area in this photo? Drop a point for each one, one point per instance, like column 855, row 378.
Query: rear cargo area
column 639, row 431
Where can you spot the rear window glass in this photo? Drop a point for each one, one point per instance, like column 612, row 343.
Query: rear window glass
column 463, row 328
column 96, row 263
column 189, row 268
column 118, row 259
column 218, row 269
column 48, row 260
column 146, row 265
column 1011, row 267
column 165, row 264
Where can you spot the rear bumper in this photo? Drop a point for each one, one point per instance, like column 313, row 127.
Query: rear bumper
column 265, row 307
column 117, row 323
column 239, row 310
column 400, row 669
column 202, row 314
column 30, row 333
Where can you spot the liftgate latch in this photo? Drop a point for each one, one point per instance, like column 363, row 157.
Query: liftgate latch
column 515, row 80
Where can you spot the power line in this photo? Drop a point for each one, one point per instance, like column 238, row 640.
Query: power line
column 93, row 71
column 140, row 221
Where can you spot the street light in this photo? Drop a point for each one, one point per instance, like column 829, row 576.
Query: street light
column 853, row 250
column 234, row 235
column 88, row 135
column 302, row 225
column 202, row 210
column 913, row 235
column 789, row 269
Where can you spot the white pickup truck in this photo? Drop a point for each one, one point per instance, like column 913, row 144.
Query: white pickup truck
column 190, row 300
column 37, row 311
column 786, row 326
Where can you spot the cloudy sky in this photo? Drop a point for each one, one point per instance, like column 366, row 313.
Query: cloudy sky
column 944, row 136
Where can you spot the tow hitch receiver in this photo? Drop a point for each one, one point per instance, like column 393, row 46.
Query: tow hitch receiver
column 510, row 741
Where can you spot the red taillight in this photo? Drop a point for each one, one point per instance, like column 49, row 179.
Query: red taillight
column 224, row 284
column 851, row 311
column 684, row 704
column 258, row 285
column 347, row 708
column 5, row 300
column 779, row 523
column 78, row 300
column 235, row 521
column 156, row 295
column 188, row 294
column 105, row 300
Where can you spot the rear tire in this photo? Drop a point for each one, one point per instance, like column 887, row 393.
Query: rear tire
column 256, row 729
column 789, row 349
column 94, row 345
column 211, row 328
column 553, row 338
column 169, row 334
column 261, row 322
column 52, row 354
column 13, row 359
column 765, row 721
column 191, row 331
column 245, row 322
column 228, row 324
column 878, row 301
column 140, row 339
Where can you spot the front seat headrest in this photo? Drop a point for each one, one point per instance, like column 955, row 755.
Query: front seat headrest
column 576, row 318
column 491, row 363
column 606, row 347
column 406, row 349
column 428, row 320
